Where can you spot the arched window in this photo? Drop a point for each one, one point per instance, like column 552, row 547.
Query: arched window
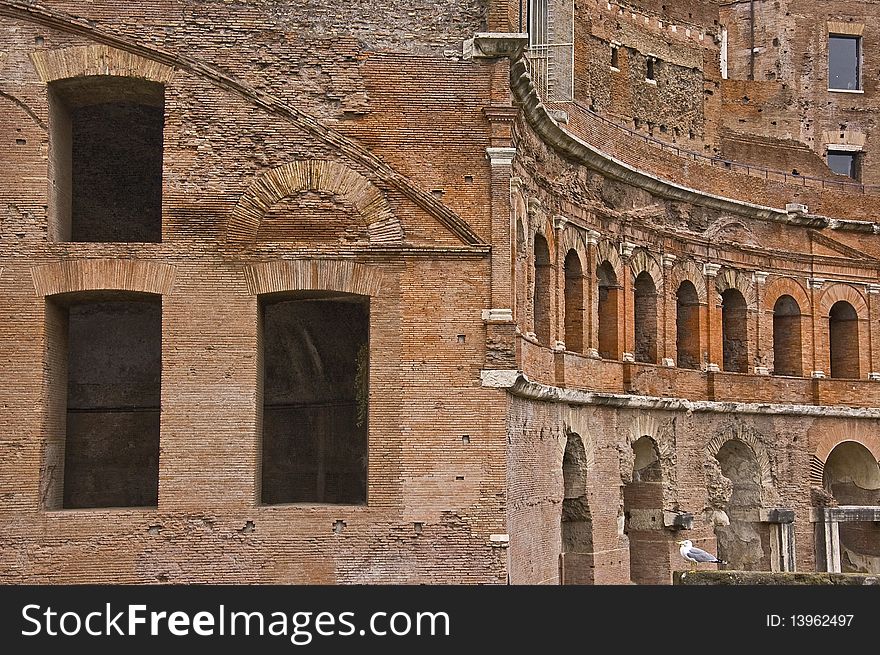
column 574, row 302
column 542, row 290
column 843, row 340
column 734, row 332
column 608, row 298
column 645, row 314
column 787, row 354
column 687, row 325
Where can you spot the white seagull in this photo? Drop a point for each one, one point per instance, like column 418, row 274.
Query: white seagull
column 696, row 555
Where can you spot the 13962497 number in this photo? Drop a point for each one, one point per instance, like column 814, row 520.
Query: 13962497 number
column 820, row 620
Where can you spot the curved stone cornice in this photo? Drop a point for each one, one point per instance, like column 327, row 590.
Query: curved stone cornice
column 570, row 146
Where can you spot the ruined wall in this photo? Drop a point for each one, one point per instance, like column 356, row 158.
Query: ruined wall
column 699, row 476
column 790, row 70
column 436, row 479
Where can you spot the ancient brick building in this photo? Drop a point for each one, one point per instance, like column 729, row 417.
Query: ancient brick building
column 484, row 291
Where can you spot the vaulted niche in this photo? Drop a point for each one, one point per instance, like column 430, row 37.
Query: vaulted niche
column 315, row 359
column 105, row 159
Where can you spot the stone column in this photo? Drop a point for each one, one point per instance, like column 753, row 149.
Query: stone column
column 668, row 353
column 761, row 334
column 821, row 358
column 559, row 223
column 714, row 343
column 591, row 297
column 873, row 323
column 626, row 326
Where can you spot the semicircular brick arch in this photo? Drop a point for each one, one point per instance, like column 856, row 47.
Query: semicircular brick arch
column 75, row 275
column 605, row 251
column 688, row 270
column 846, row 292
column 572, row 239
column 642, row 261
column 89, row 60
column 779, row 286
column 841, row 433
column 750, row 439
column 313, row 175
column 578, row 424
column 729, row 278
column 662, row 435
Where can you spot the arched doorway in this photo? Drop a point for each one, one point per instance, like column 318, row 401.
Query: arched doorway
column 852, row 475
column 576, row 524
column 687, row 326
column 743, row 544
column 645, row 315
column 787, row 346
column 643, row 512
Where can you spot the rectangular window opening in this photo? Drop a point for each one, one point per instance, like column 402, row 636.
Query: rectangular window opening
column 315, row 354
column 105, row 156
column 106, row 366
column 844, row 163
column 649, row 72
column 615, row 57
column 844, row 55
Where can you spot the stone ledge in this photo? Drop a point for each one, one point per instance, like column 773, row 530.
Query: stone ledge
column 730, row 578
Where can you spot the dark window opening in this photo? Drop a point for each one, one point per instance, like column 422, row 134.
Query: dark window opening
column 574, row 302
column 734, row 331
column 113, row 377
column 687, row 326
column 844, row 53
column 106, row 159
column 649, row 72
column 844, row 163
column 315, row 358
column 609, row 291
column 543, row 277
column 538, row 22
column 787, row 345
column 615, row 57
column 843, row 337
column 645, row 314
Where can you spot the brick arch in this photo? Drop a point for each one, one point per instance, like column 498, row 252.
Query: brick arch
column 572, row 239
column 642, row 260
column 314, row 274
column 849, row 431
column 96, row 59
column 605, row 251
column 662, row 435
column 786, row 286
column 841, row 291
column 688, row 270
column 749, row 438
column 313, row 175
column 577, row 423
column 841, row 433
column 730, row 278
column 103, row 274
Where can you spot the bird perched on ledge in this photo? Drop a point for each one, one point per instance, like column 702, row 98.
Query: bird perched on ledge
column 695, row 555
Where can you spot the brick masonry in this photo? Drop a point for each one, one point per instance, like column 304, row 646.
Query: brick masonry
column 320, row 148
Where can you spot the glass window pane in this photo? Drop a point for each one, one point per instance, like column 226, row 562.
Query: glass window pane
column 843, row 62
column 842, row 163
